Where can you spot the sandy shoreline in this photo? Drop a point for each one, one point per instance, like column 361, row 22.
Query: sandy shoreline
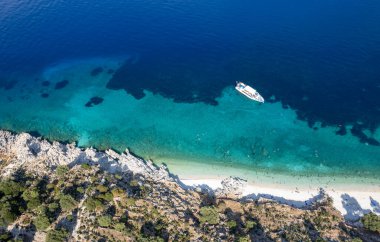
column 352, row 203
column 353, row 196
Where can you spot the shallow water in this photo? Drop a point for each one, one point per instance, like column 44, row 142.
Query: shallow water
column 158, row 78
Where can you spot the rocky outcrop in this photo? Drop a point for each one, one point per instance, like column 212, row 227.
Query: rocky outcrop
column 232, row 187
column 39, row 155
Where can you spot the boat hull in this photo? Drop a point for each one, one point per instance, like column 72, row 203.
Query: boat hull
column 249, row 92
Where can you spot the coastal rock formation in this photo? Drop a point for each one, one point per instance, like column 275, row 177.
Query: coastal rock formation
column 232, row 187
column 57, row 192
column 26, row 150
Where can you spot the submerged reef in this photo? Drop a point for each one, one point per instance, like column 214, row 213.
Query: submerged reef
column 44, row 95
column 96, row 71
column 45, row 83
column 94, row 101
column 61, row 84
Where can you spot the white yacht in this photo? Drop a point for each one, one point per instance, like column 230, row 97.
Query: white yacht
column 249, row 92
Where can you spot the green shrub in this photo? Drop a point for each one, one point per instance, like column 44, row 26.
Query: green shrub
column 85, row 166
column 41, row 222
column 11, row 188
column 105, row 221
column 356, row 240
column 119, row 227
column 57, row 235
column 53, row 207
column 106, row 196
column 231, row 224
column 130, row 201
column 5, row 235
column 70, row 218
column 209, row 214
column 371, row 222
column 67, row 203
column 7, row 216
column 250, row 224
column 80, row 190
column 30, row 194
column 93, row 203
column 62, row 170
column 101, row 188
column 244, row 239
column 34, row 203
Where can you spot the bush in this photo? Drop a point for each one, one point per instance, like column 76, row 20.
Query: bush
column 80, row 190
column 250, row 224
column 101, row 188
column 11, row 188
column 53, row 207
column 62, row 170
column 371, row 222
column 7, row 216
column 93, row 203
column 209, row 215
column 57, row 235
column 30, row 194
column 70, row 218
column 106, row 196
column 41, row 222
column 120, row 227
column 231, row 224
column 244, row 239
column 356, row 240
column 105, row 221
column 86, row 166
column 67, row 203
column 5, row 236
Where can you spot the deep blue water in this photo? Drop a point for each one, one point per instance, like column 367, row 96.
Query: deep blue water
column 321, row 58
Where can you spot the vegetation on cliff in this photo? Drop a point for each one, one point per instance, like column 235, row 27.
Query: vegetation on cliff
column 86, row 203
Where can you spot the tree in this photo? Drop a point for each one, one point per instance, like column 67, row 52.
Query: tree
column 11, row 188
column 101, row 188
column 371, row 222
column 105, row 221
column 93, row 203
column 7, row 216
column 57, row 235
column 30, row 194
column 67, row 203
column 232, row 224
column 41, row 222
column 209, row 214
column 250, row 224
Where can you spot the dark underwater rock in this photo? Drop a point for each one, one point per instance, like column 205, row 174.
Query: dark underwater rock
column 61, row 84
column 96, row 71
column 45, row 83
column 357, row 130
column 342, row 130
column 7, row 84
column 44, row 95
column 94, row 101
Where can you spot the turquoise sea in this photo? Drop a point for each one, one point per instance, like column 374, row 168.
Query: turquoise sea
column 158, row 78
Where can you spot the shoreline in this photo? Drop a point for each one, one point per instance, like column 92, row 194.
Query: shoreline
column 351, row 203
column 353, row 198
